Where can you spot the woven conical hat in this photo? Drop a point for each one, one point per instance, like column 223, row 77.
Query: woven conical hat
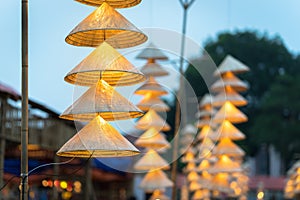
column 226, row 146
column 151, row 101
column 205, row 113
column 229, row 79
column 107, row 63
column 152, row 86
column 192, row 176
column 206, row 143
column 229, row 95
column 231, row 64
column 229, row 112
column 204, row 165
column 112, row 3
column 101, row 99
column 155, row 180
column 227, row 130
column 106, row 24
column 194, row 185
column 158, row 195
column 151, row 161
column 188, row 157
column 206, row 131
column 206, row 101
column 225, row 164
column 152, row 139
column 152, row 119
column 152, row 52
column 97, row 139
column 153, row 69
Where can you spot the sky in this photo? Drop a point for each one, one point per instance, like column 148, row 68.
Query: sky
column 50, row 58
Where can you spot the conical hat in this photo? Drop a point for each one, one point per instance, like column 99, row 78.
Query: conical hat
column 229, row 95
column 229, row 79
column 225, row 164
column 205, row 113
column 206, row 131
column 152, row 119
column 151, row 86
column 158, row 195
column 206, row 101
column 229, row 112
column 204, row 165
column 231, row 64
column 191, row 166
column 105, row 63
column 226, row 146
column 152, row 52
column 206, row 143
column 188, row 157
column 152, row 139
column 201, row 194
column 227, row 130
column 204, row 122
column 97, row 139
column 192, row 176
column 112, row 3
column 155, row 180
column 221, row 182
column 101, row 99
column 189, row 129
column 151, row 101
column 153, row 69
column 187, row 139
column 194, row 185
column 151, row 161
column 106, row 24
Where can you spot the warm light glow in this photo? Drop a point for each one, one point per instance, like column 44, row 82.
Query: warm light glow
column 45, row 183
column 260, row 195
column 66, row 195
column 63, row 184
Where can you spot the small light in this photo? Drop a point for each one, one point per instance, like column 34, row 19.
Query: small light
column 63, row 184
column 56, row 183
column 45, row 183
column 260, row 195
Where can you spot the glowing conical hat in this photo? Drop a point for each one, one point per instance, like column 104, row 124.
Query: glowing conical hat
column 151, row 101
column 227, row 130
column 151, row 86
column 205, row 113
column 189, row 129
column 191, row 166
column 206, row 101
column 192, row 176
column 229, row 79
column 152, row 52
column 229, row 112
column 221, row 182
column 153, row 69
column 106, row 24
column 225, row 164
column 204, row 165
column 194, row 185
column 155, row 180
column 152, row 139
column 97, row 139
column 231, row 64
column 229, row 95
column 151, row 160
column 112, row 3
column 226, row 146
column 101, row 99
column 201, row 194
column 204, row 122
column 188, row 157
column 158, row 195
column 206, row 131
column 105, row 63
column 152, row 119
column 204, row 153
column 206, row 143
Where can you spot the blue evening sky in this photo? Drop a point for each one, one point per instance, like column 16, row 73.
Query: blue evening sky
column 50, row 21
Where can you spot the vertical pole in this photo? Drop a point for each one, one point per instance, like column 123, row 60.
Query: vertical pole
column 56, row 171
column 181, row 98
column 3, row 111
column 24, row 125
column 88, row 180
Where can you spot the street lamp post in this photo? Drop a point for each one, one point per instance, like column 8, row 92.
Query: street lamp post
column 24, row 121
column 185, row 5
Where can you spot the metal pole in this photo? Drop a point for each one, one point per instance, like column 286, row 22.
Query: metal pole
column 181, row 98
column 24, row 125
